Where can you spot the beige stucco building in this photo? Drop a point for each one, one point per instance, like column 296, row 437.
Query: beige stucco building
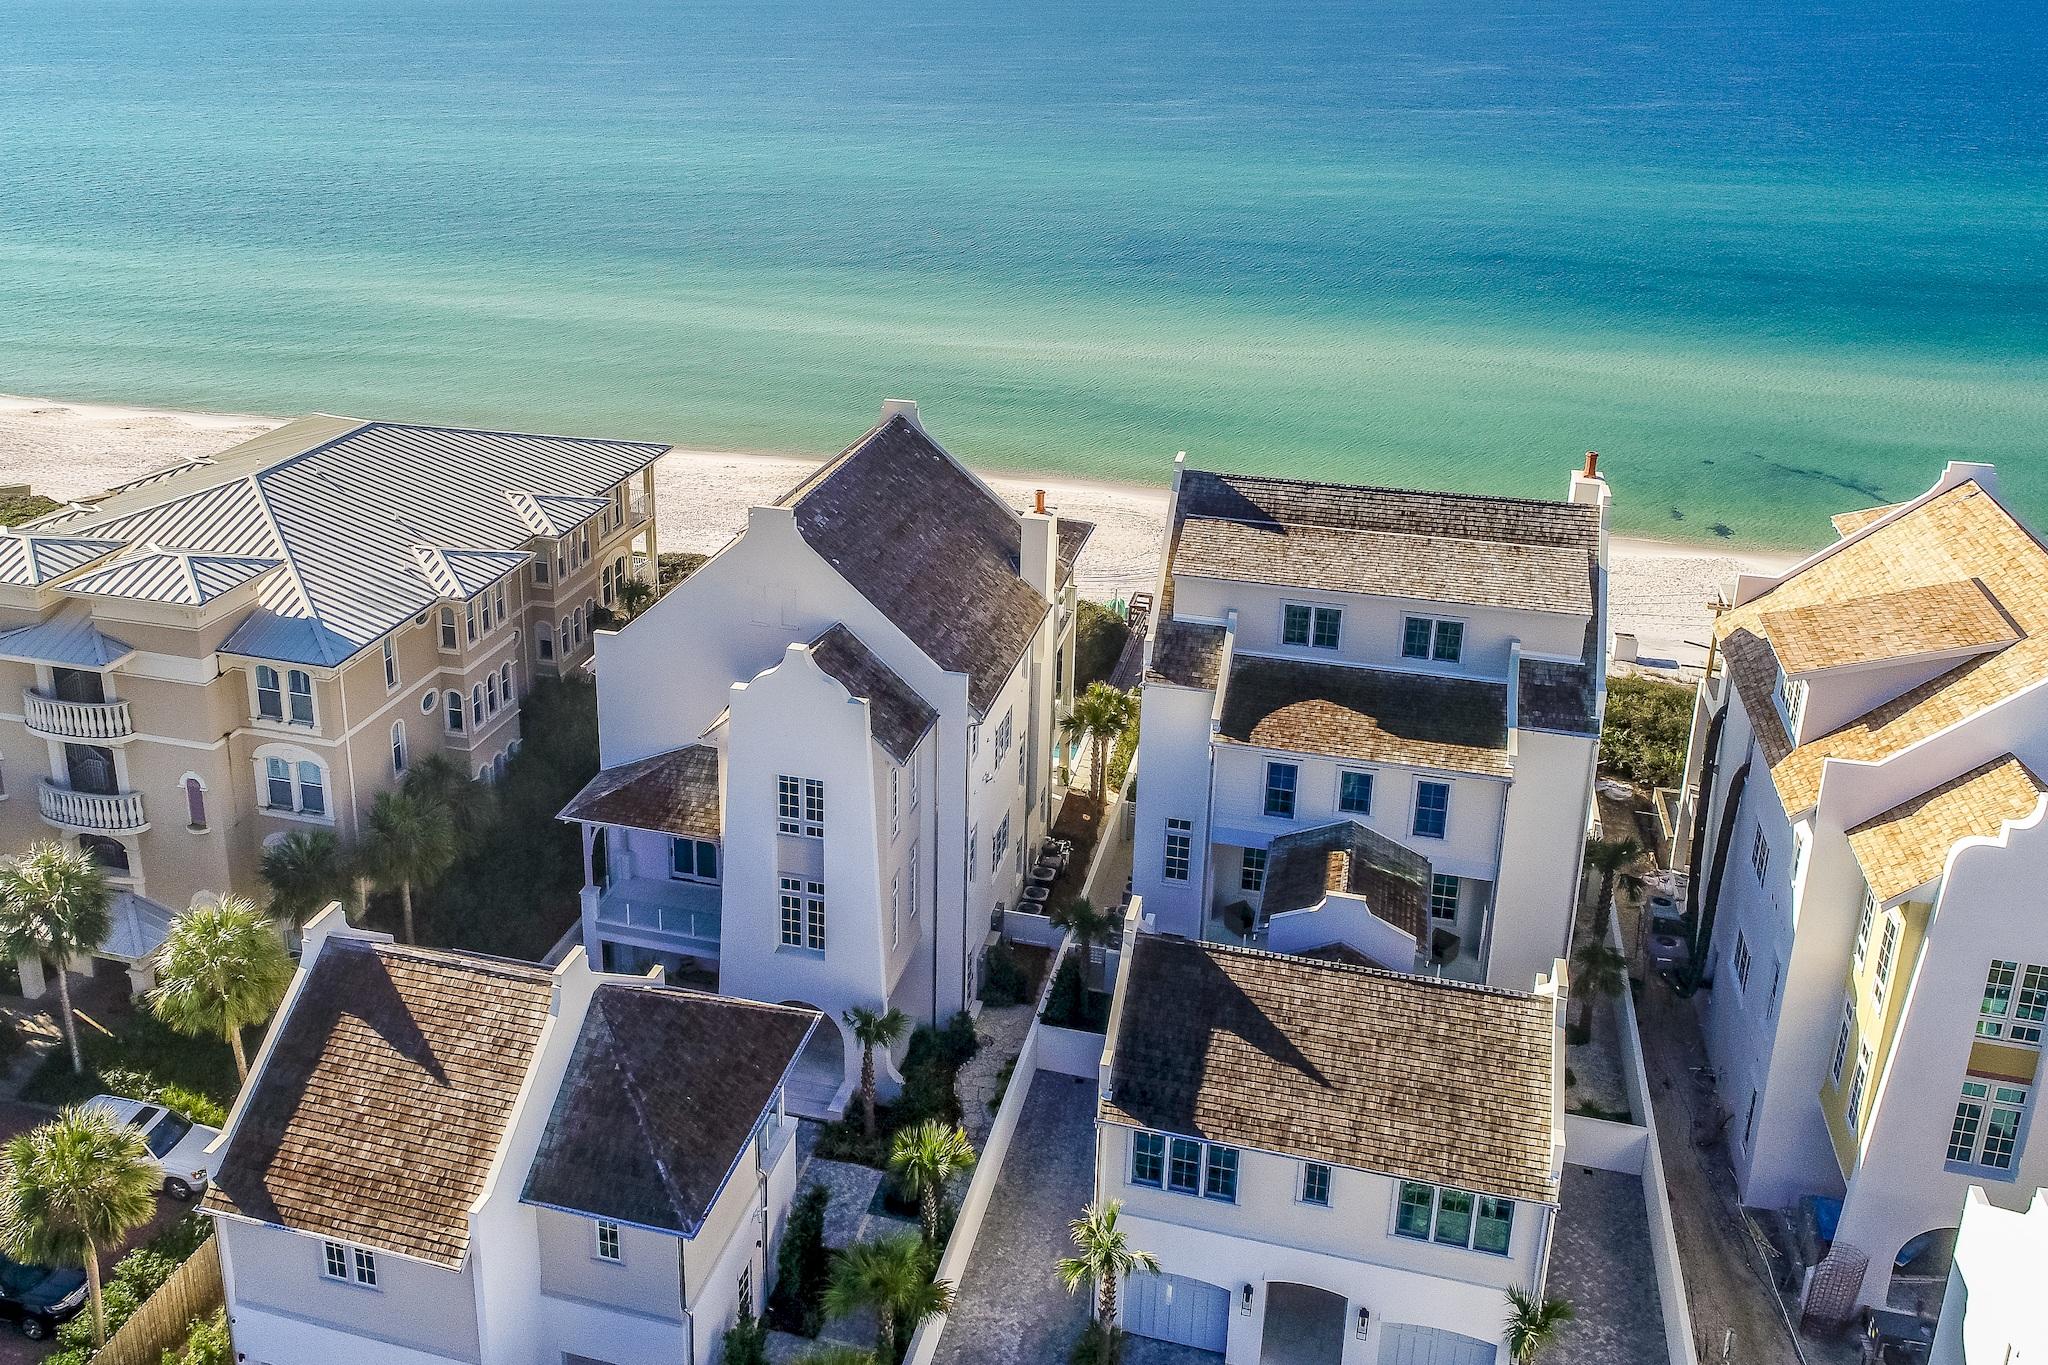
column 195, row 664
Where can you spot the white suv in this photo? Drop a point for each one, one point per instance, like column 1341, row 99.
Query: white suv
column 176, row 1144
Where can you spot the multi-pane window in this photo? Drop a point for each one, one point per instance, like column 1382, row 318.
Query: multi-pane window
column 1005, row 734
column 1184, row 1167
column 476, row 705
column 1760, row 853
column 1863, row 924
column 913, row 783
column 339, row 1262
column 1252, row 876
column 895, row 802
column 397, row 748
column 312, row 789
column 1179, row 843
column 300, row 787
column 607, row 1241
column 895, row 907
column 269, row 695
column 1354, row 793
column 1281, row 779
column 1219, row 1174
column 1317, row 627
column 505, row 682
column 454, row 722
column 491, row 694
column 366, row 1267
column 803, row 914
column 2015, row 1003
column 448, row 640
column 1858, row 1083
column 1842, row 1037
column 973, row 853
column 814, row 916
column 1986, row 1130
column 1454, row 1217
column 1887, row 958
column 1742, row 960
column 800, row 806
column 1148, row 1159
column 1315, row 1183
column 336, row 1261
column 299, row 685
column 814, row 808
column 693, row 860
column 914, row 882
column 1443, row 896
column 390, row 666
column 999, row 843
column 1424, row 638
column 1432, row 809
column 469, row 620
column 1790, row 695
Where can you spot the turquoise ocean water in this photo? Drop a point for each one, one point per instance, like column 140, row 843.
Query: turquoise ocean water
column 1773, row 259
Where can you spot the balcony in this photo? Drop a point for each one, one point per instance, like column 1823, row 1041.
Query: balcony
column 97, row 721
column 93, row 812
column 679, row 916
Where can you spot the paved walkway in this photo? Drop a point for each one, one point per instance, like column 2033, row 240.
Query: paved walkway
column 979, row 1083
column 1012, row 1308
column 1600, row 1261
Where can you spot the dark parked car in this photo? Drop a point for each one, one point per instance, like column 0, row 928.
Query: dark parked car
column 36, row 1298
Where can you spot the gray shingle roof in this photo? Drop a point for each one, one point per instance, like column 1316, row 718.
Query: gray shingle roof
column 930, row 546
column 671, row 793
column 662, row 1093
column 385, row 1098
column 1304, row 867
column 1368, row 714
column 1404, row 1075
column 1187, row 654
column 345, row 504
column 898, row 717
column 1559, row 696
column 1446, row 547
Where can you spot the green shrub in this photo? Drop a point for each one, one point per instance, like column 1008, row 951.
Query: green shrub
column 207, row 1343
column 1097, row 1346
column 16, row 508
column 1126, row 749
column 1099, row 638
column 1004, row 982
column 803, row 1267
column 1644, row 735
column 1070, row 1004
column 142, row 1060
column 746, row 1341
column 673, row 567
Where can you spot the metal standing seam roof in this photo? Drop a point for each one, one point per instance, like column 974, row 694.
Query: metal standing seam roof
column 180, row 577
column 552, row 515
column 68, row 638
column 31, row 560
column 345, row 504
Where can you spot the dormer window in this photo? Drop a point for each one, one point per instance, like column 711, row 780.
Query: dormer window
column 1790, row 696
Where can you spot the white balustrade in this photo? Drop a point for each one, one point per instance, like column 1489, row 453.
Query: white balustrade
column 60, row 719
column 111, row 813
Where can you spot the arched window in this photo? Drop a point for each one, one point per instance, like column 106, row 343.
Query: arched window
column 544, row 640
column 195, row 802
column 301, row 684
column 312, row 789
column 491, row 693
column 397, row 747
column 505, row 681
column 292, row 781
column 448, row 640
column 568, row 640
column 498, row 768
column 606, row 579
column 110, row 854
column 476, row 704
column 269, row 696
column 577, row 619
column 455, row 713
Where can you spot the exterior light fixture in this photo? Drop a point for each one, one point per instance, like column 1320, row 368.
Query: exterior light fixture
column 1246, row 1310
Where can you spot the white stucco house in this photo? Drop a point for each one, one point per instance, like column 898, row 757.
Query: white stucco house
column 1863, row 814
column 1332, row 1163
column 1413, row 680
column 442, row 1157
column 1991, row 1314
column 829, row 751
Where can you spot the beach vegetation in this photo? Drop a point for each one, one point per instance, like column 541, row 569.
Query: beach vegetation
column 24, row 505
column 1101, row 714
column 1103, row 1259
column 1644, row 736
column 1099, row 639
column 892, row 1278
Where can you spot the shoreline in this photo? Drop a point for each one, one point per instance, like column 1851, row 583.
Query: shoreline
column 64, row 449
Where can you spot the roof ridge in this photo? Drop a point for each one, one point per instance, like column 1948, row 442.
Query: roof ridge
column 455, row 957
column 1556, row 504
column 1322, row 964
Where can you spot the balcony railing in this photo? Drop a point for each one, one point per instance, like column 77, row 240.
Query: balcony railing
column 679, row 910
column 101, row 812
column 91, row 720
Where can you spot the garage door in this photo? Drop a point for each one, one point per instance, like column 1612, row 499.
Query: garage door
column 1177, row 1309
column 1404, row 1343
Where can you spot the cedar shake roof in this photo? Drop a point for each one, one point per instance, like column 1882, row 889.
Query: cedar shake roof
column 1304, row 867
column 661, row 1096
column 898, row 716
column 1938, row 618
column 1561, row 697
column 1959, row 535
column 1849, row 523
column 1908, row 845
column 1402, row 1075
column 930, row 546
column 1449, row 547
column 671, row 793
column 385, row 1098
column 1368, row 714
column 1187, row 654
column 1074, row 535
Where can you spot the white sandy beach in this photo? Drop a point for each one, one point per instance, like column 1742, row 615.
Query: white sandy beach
column 67, row 449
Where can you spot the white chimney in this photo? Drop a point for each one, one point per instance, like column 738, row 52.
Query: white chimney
column 906, row 408
column 1038, row 555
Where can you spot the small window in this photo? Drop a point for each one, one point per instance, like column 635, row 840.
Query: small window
column 1842, row 1037
column 1494, row 1227
column 1329, row 626
column 607, row 1241
column 1354, row 793
column 428, row 699
column 1252, row 876
column 1432, row 809
column 312, row 789
column 973, row 853
column 1454, row 1217
column 498, row 600
column 1863, row 926
column 814, row 808
column 576, row 624
column 1887, row 958
column 1858, row 1083
column 1412, row 1218
column 491, row 693
column 469, row 620
column 792, row 912
column 455, row 712
column 448, row 640
column 1295, row 623
column 336, row 1263
column 476, row 704
column 693, row 860
column 390, row 666
column 1316, row 627
column 540, row 569
column 1220, row 1178
column 366, row 1268
column 1423, row 637
column 195, row 803
column 1315, row 1184
column 1415, row 636
column 1742, row 960
column 544, row 640
column 1450, row 642
column 895, row 802
column 1760, row 854
column 914, row 882
column 269, row 696
column 301, row 686
column 1443, row 896
column 1281, row 779
column 913, row 781
column 505, row 682
column 1179, row 844
column 397, row 748
column 1148, row 1159
column 277, row 779
column 1986, row 1128
column 1184, row 1167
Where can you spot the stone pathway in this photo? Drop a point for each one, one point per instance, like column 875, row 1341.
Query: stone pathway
column 979, row 1083
column 850, row 1194
column 1600, row 1261
column 1012, row 1308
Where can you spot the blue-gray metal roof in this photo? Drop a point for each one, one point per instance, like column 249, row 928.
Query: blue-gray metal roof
column 68, row 639
column 30, row 560
column 179, row 577
column 345, row 506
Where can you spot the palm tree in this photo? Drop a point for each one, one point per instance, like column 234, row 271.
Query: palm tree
column 440, row 780
column 1599, row 973
column 55, row 905
column 407, row 839
column 222, row 968
column 634, row 596
column 1090, row 926
column 1608, row 857
column 894, row 1278
column 1533, row 1324
column 305, row 870
column 1102, row 714
column 78, row 1183
column 926, row 1157
column 1105, row 1258
column 872, row 1030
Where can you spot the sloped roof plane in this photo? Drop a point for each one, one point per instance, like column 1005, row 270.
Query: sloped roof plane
column 179, row 577
column 31, row 560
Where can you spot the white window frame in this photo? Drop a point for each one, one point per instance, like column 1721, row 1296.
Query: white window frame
column 1438, row 899
column 1179, row 849
column 1291, row 790
column 1760, row 855
column 1251, row 875
column 1859, row 1084
column 391, row 679
column 1741, row 961
column 1887, row 960
column 1988, row 1097
column 675, row 846
column 271, row 692
column 1303, row 1188
column 1843, row 1038
column 911, row 860
column 605, row 1243
column 1415, row 829
column 400, row 757
column 295, row 762
column 446, row 637
column 454, row 713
